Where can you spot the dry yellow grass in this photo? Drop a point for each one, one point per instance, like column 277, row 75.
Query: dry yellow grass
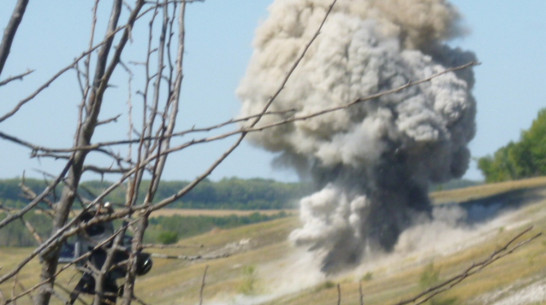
column 486, row 190
column 265, row 247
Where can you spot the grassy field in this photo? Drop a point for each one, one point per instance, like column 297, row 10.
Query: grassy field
column 261, row 267
column 487, row 190
column 216, row 213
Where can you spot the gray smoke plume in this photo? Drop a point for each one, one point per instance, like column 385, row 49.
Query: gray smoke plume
column 371, row 163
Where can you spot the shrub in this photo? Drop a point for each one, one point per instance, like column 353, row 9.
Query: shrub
column 429, row 277
column 167, row 237
column 367, row 277
column 248, row 286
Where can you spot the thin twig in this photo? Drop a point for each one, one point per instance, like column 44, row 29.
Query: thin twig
column 243, row 130
column 32, row 230
column 70, row 66
column 203, row 285
column 338, row 294
column 190, row 186
column 166, row 127
column 360, row 293
column 473, row 269
column 84, row 256
column 139, row 300
column 112, row 119
column 38, row 199
column 243, row 134
column 16, row 77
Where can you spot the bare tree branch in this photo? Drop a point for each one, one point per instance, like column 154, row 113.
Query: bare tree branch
column 360, row 293
column 31, row 229
column 84, row 256
column 10, row 30
column 505, row 250
column 110, row 120
column 85, row 131
column 16, row 77
column 338, row 294
column 160, row 94
column 243, row 130
column 167, row 127
column 203, row 285
column 70, row 66
column 243, row 134
column 37, row 200
column 190, row 186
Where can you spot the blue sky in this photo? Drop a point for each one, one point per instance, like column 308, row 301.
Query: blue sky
column 508, row 37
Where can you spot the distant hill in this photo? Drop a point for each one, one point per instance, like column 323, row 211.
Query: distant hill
column 229, row 193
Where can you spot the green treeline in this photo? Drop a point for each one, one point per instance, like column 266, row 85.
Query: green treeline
column 17, row 234
column 161, row 230
column 523, row 159
column 232, row 193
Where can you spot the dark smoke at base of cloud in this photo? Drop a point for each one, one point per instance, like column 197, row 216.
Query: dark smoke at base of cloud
column 370, row 217
column 371, row 163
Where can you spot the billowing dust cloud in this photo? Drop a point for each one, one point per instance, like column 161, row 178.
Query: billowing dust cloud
column 371, row 163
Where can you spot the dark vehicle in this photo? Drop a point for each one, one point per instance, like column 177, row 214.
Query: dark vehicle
column 88, row 241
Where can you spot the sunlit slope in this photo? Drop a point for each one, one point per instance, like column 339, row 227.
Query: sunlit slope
column 488, row 190
column 256, row 264
column 174, row 281
column 178, row 281
column 279, row 276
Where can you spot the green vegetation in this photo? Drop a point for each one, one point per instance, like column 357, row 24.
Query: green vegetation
column 391, row 281
column 325, row 286
column 272, row 258
column 490, row 190
column 168, row 229
column 368, row 276
column 167, row 237
column 523, row 159
column 11, row 195
column 429, row 277
column 253, row 269
column 248, row 285
column 163, row 229
column 232, row 193
column 249, row 194
column 16, row 234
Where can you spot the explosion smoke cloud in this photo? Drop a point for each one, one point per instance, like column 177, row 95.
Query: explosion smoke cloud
column 371, row 163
